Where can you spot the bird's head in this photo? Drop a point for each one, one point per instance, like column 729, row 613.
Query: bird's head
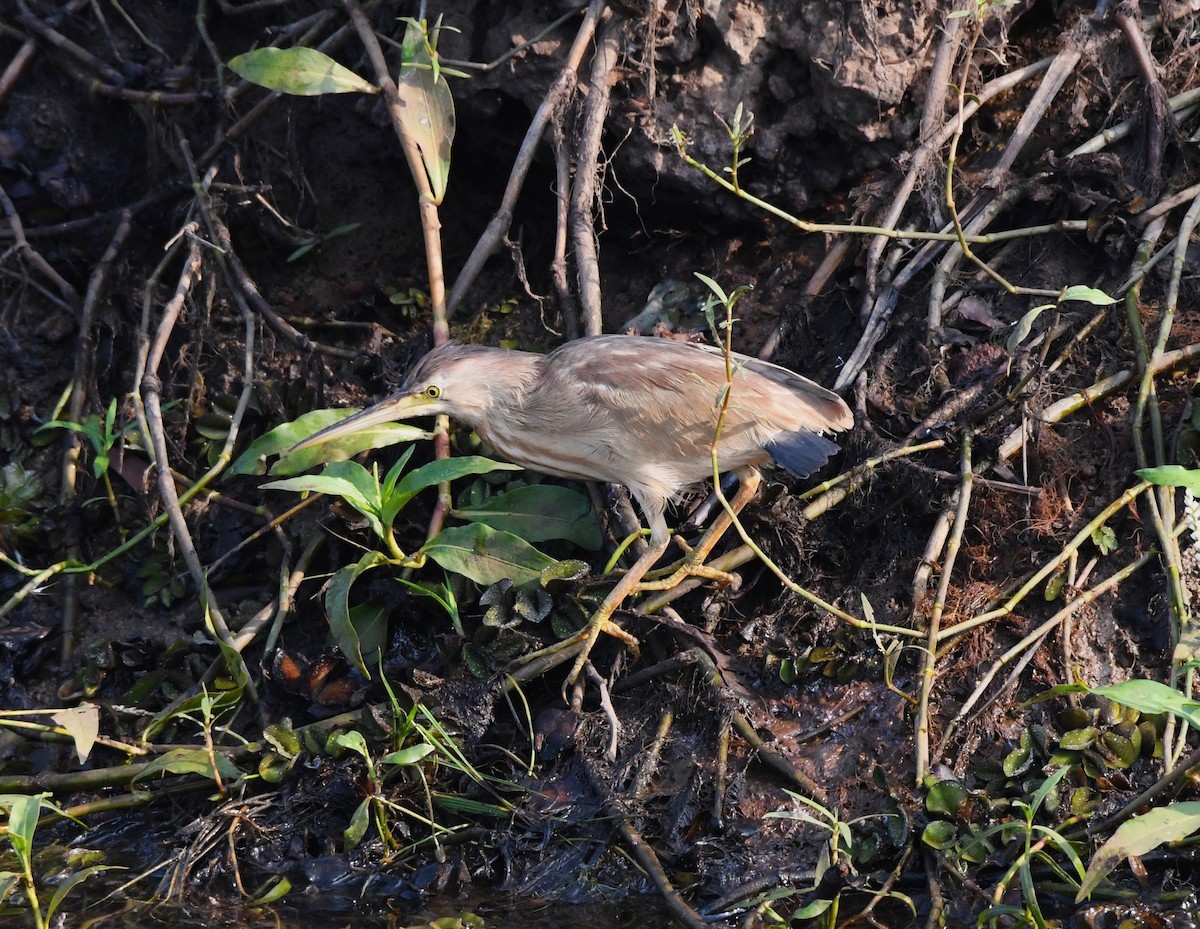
column 462, row 381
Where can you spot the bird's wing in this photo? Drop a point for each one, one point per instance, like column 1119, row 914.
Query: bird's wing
column 832, row 408
column 624, row 372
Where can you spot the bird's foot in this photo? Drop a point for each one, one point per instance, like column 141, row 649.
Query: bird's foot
column 578, row 646
column 581, row 644
column 690, row 566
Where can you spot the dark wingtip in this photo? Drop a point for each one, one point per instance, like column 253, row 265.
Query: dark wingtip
column 801, row 453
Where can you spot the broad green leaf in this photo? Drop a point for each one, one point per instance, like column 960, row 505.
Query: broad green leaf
column 426, row 108
column 1152, row 697
column 74, row 880
column 282, row 438
column 810, row 910
column 82, row 724
column 1024, row 326
column 485, row 555
column 939, row 834
column 283, row 739
column 354, row 741
column 1086, row 295
column 1076, row 740
column 447, row 469
column 373, row 437
column 9, row 881
column 539, row 513
column 353, row 834
column 410, row 755
column 1172, row 476
column 191, row 761
column 450, row 469
column 217, row 702
column 276, row 892
column 1140, row 835
column 337, row 604
column 346, row 479
column 24, row 810
column 304, row 72
column 947, row 797
column 272, row 767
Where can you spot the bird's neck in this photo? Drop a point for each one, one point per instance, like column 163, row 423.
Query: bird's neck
column 507, row 392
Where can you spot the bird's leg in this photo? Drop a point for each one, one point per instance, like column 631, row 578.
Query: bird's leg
column 580, row 645
column 693, row 565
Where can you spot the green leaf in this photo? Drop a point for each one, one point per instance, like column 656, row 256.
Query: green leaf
column 1048, row 786
column 9, row 881
column 948, row 798
column 304, row 72
column 91, row 432
column 346, row 479
column 447, row 469
column 283, row 739
column 450, row 469
column 939, row 834
column 410, row 755
column 539, row 513
column 810, row 910
column 1172, row 476
column 389, row 481
column 110, row 418
column 1086, row 295
column 1105, row 540
column 282, row 438
column 337, row 604
column 191, row 761
column 1135, row 837
column 276, row 892
column 1024, row 326
column 1076, row 740
column 426, row 108
column 354, row 741
column 216, row 703
column 353, row 833
column 73, row 881
column 1152, row 697
column 486, row 556
column 24, row 810
column 712, row 285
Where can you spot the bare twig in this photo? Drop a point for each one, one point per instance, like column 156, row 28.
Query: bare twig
column 550, row 107
column 587, row 156
column 928, row 675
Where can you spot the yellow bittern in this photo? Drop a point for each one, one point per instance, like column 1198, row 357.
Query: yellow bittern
column 642, row 412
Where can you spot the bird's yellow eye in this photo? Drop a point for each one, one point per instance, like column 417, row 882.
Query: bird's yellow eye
column 433, row 391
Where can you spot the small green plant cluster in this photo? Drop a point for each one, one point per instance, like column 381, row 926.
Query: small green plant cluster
column 24, row 812
column 851, row 846
column 163, row 578
column 494, row 546
column 103, row 435
column 20, row 509
column 954, row 833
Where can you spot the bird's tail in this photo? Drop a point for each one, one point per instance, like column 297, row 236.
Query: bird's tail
column 801, row 453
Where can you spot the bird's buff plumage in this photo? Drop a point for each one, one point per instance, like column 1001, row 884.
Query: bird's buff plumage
column 626, row 409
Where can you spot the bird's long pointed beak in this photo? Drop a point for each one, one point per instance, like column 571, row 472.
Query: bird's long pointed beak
column 404, row 406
